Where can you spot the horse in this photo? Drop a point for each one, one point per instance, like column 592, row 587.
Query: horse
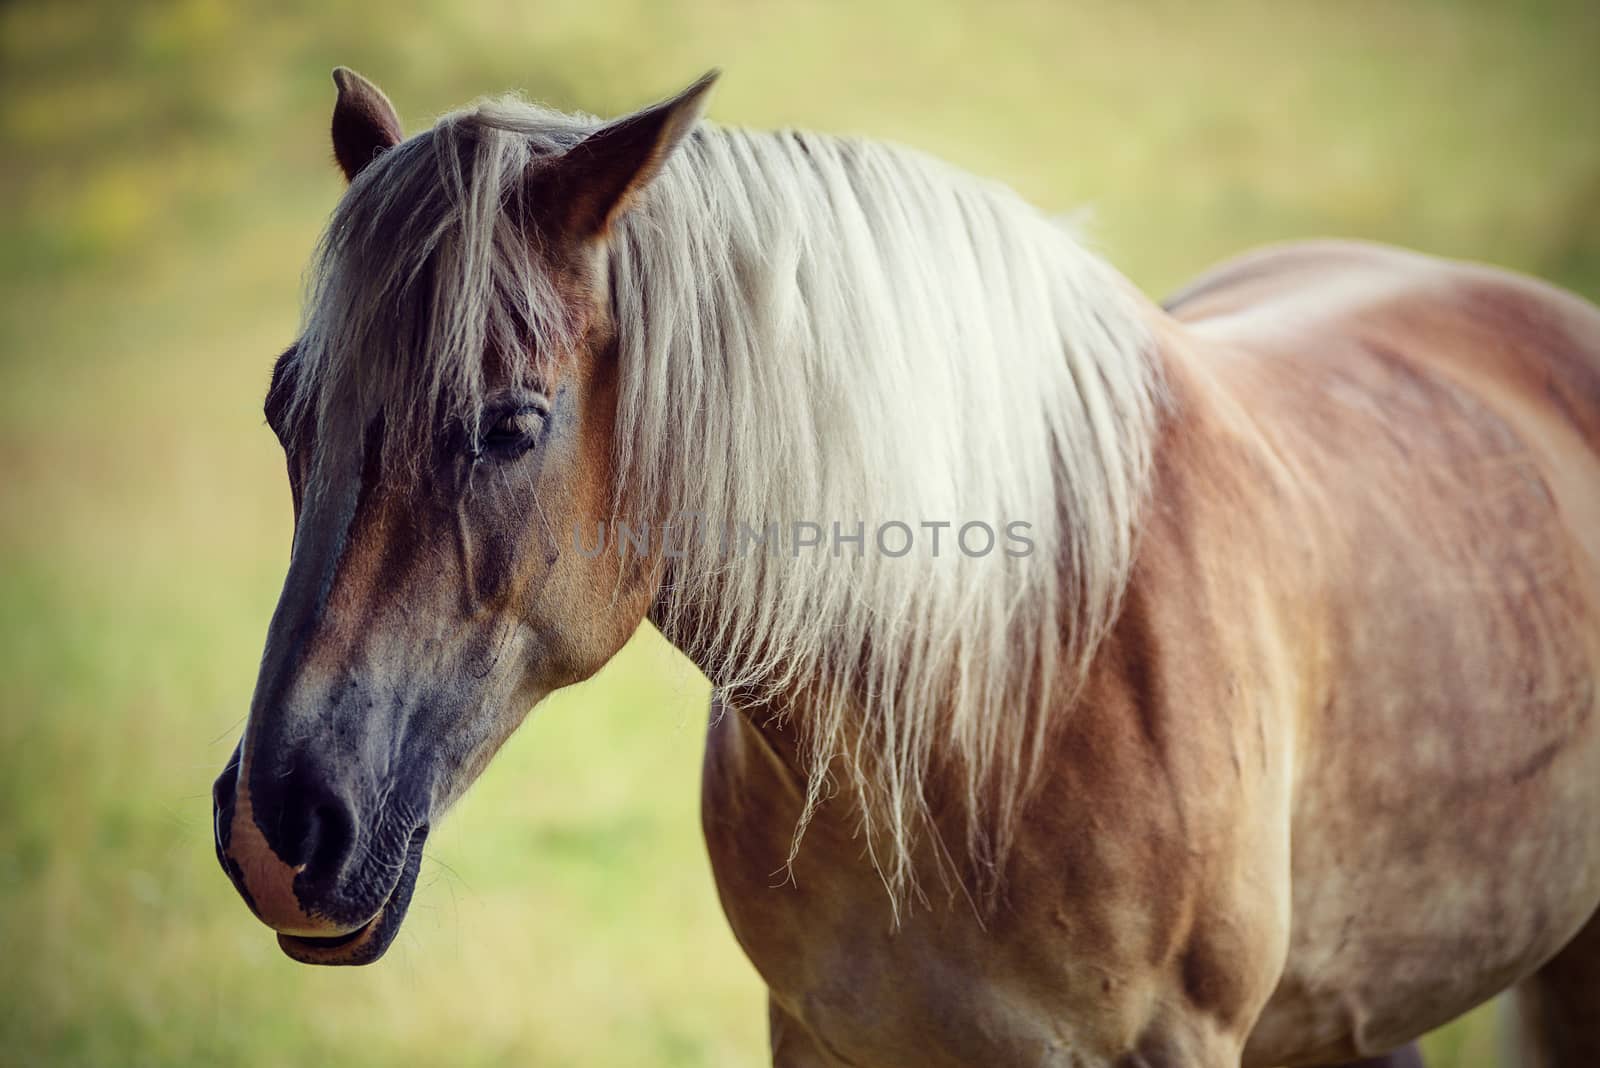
column 1259, row 728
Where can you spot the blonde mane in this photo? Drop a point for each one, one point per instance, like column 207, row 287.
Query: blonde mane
column 809, row 328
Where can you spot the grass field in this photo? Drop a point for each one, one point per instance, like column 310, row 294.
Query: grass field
column 165, row 173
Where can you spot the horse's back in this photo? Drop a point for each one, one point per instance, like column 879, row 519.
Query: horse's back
column 1527, row 351
column 1440, row 428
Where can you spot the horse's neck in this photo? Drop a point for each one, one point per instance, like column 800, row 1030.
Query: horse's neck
column 1045, row 411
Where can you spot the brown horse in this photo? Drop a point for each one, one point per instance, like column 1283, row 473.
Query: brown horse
column 1245, row 713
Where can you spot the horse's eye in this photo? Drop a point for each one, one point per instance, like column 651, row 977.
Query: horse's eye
column 512, row 433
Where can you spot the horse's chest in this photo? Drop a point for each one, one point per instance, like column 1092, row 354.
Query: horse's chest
column 1065, row 976
column 822, row 938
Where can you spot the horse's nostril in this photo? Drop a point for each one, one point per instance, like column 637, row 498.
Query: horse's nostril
column 315, row 829
column 329, row 839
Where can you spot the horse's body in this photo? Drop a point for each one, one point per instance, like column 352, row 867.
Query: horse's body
column 1314, row 770
column 1367, row 803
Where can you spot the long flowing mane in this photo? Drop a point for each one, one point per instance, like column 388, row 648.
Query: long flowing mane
column 809, row 328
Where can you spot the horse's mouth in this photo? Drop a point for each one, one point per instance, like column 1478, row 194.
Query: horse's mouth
column 372, row 939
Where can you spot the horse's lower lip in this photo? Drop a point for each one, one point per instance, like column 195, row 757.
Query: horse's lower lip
column 350, row 948
column 337, row 941
column 371, row 940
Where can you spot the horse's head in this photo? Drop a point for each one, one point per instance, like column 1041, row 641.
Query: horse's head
column 447, row 417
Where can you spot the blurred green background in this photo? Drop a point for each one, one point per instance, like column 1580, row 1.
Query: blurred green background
column 165, row 172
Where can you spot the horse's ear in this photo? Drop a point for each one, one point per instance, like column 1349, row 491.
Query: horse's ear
column 364, row 122
column 593, row 182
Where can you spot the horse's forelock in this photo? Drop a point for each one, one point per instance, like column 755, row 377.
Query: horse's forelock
column 429, row 282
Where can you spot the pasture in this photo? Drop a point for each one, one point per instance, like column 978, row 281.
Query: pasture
column 166, row 173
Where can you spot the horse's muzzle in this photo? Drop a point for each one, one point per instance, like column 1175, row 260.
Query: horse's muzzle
column 295, row 846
